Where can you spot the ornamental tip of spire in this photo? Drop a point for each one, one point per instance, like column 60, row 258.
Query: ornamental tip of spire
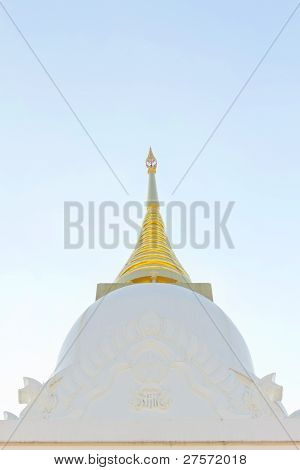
column 151, row 162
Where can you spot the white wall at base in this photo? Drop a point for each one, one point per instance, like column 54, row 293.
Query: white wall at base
column 153, row 429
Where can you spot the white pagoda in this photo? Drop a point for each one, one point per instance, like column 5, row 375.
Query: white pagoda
column 153, row 361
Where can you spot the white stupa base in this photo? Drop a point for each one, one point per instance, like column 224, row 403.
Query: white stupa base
column 156, row 364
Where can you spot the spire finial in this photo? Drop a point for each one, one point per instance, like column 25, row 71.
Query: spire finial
column 151, row 162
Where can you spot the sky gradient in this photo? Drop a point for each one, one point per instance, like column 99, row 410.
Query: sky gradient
column 140, row 74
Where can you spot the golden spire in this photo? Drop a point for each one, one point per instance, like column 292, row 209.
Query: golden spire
column 153, row 259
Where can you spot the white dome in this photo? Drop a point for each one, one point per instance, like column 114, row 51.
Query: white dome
column 150, row 348
column 157, row 307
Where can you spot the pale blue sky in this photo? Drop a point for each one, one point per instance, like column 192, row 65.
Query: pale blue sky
column 141, row 73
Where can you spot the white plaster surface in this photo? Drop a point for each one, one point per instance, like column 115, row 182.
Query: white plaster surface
column 153, row 362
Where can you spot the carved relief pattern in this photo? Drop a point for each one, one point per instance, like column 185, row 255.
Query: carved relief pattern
column 150, row 399
column 149, row 349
